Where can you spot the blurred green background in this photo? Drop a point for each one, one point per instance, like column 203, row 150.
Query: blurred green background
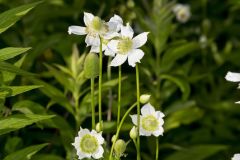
column 183, row 69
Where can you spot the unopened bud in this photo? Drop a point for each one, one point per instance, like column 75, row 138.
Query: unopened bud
column 133, row 133
column 144, row 98
column 98, row 127
column 114, row 138
column 120, row 147
column 91, row 65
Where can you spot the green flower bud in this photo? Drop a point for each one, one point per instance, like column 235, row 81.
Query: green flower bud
column 98, row 127
column 113, row 138
column 133, row 133
column 120, row 147
column 91, row 66
column 144, row 98
column 130, row 4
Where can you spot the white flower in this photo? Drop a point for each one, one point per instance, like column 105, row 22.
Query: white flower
column 96, row 28
column 126, row 47
column 151, row 121
column 182, row 12
column 233, row 77
column 89, row 144
column 236, row 156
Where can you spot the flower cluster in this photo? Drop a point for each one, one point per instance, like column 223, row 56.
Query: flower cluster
column 117, row 39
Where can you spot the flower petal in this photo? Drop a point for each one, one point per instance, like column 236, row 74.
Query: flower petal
column 96, row 49
column 158, row 132
column 147, row 109
column 92, row 40
column 140, row 40
column 82, row 132
column 143, row 132
column 81, row 155
column 99, row 153
column 134, row 119
column 112, row 45
column 238, row 102
column 78, row 30
column 115, row 23
column 119, row 60
column 135, row 56
column 109, row 52
column 88, row 17
column 233, row 77
column 127, row 31
column 159, row 114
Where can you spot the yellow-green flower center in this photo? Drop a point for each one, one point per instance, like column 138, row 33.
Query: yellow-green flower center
column 88, row 144
column 150, row 123
column 97, row 26
column 124, row 45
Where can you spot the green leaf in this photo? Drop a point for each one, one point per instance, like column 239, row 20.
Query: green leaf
column 200, row 152
column 26, row 153
column 10, row 52
column 10, row 17
column 181, row 82
column 46, row 157
column 4, row 66
column 18, row 121
column 8, row 77
column 15, row 90
column 175, row 53
column 184, row 116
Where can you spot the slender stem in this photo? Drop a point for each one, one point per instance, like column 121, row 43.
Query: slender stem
column 138, row 112
column 93, row 103
column 119, row 128
column 100, row 85
column 157, row 148
column 110, row 97
column 75, row 96
column 119, row 94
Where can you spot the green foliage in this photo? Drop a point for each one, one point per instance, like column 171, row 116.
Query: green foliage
column 45, row 95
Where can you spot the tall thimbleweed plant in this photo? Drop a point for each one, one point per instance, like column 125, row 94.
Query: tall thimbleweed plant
column 118, row 41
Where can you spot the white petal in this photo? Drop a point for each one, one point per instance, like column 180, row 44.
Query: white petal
column 81, row 155
column 134, row 119
column 113, row 45
column 119, row 59
column 116, row 19
column 88, row 17
column 92, row 40
column 109, row 52
column 78, row 30
column 135, row 56
column 159, row 114
column 147, row 109
column 96, row 49
column 115, row 23
column 82, row 132
column 143, row 132
column 111, row 35
column 99, row 153
column 233, row 77
column 238, row 102
column 236, row 156
column 160, row 121
column 127, row 31
column 158, row 132
column 140, row 40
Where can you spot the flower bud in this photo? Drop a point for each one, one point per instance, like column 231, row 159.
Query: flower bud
column 119, row 148
column 91, row 66
column 98, row 127
column 113, row 138
column 133, row 133
column 144, row 98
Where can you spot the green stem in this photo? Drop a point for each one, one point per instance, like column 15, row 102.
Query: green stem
column 119, row 94
column 93, row 103
column 157, row 148
column 119, row 128
column 100, row 85
column 138, row 112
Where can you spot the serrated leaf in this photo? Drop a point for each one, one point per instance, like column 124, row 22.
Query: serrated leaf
column 10, row 52
column 26, row 153
column 10, row 17
column 200, row 152
column 18, row 121
column 181, row 82
column 10, row 91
